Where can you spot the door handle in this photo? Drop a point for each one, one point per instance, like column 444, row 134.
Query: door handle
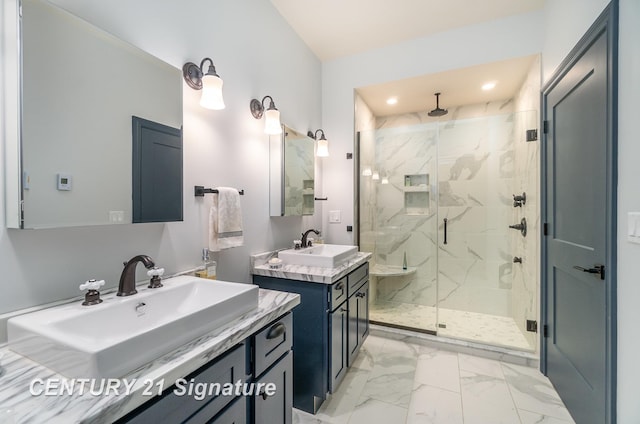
column 445, row 230
column 597, row 269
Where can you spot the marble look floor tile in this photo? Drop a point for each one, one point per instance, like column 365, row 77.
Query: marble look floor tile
column 438, row 368
column 400, row 380
column 486, row 399
column 301, row 417
column 338, row 407
column 533, row 418
column 432, row 405
column 370, row 411
column 532, row 391
column 482, row 366
column 392, row 385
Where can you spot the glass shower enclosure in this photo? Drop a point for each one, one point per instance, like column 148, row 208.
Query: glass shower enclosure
column 436, row 202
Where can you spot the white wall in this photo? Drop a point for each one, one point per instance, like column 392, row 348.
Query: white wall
column 472, row 45
column 221, row 148
column 566, row 22
column 628, row 200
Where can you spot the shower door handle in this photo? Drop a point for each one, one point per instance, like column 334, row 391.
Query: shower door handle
column 445, row 230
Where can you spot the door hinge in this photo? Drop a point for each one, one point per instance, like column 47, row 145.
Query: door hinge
column 545, row 229
column 532, row 325
column 545, row 127
column 532, row 135
column 545, row 331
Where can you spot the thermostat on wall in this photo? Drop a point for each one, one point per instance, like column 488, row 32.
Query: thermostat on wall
column 64, row 182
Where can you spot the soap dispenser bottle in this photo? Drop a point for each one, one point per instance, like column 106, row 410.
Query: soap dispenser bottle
column 209, row 270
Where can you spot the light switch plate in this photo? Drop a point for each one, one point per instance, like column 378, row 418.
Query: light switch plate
column 633, row 227
column 334, row 217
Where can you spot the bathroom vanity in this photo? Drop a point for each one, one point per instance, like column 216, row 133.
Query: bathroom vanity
column 253, row 348
column 261, row 359
column 330, row 325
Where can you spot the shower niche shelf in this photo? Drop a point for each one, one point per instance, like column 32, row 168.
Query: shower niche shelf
column 416, row 194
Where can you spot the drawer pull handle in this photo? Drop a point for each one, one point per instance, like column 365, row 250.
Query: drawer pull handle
column 276, row 331
column 340, row 286
column 264, row 395
column 360, row 294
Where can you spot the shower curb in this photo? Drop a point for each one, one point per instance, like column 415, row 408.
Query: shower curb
column 498, row 353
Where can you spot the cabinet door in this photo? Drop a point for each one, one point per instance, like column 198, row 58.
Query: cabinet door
column 236, row 413
column 276, row 407
column 338, row 328
column 363, row 313
column 358, row 320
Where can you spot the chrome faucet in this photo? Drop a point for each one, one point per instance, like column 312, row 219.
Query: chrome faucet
column 305, row 243
column 127, row 285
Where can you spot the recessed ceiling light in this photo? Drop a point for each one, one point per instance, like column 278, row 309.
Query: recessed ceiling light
column 392, row 100
column 489, row 86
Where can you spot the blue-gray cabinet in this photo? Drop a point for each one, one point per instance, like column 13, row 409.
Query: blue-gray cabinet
column 330, row 325
column 263, row 358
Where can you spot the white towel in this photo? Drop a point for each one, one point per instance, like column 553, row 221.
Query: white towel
column 225, row 220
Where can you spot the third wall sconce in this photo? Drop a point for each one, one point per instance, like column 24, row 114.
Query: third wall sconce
column 322, row 150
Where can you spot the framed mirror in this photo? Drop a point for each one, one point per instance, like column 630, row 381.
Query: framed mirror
column 80, row 90
column 292, row 171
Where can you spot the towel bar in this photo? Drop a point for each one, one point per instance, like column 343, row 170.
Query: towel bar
column 200, row 191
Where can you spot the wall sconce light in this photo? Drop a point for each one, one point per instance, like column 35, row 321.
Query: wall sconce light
column 366, row 172
column 322, row 150
column 375, row 176
column 210, row 83
column 271, row 115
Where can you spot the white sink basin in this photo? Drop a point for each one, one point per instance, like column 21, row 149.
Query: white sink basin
column 321, row 255
column 119, row 335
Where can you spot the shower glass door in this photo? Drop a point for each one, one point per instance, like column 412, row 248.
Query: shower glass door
column 440, row 193
column 398, row 223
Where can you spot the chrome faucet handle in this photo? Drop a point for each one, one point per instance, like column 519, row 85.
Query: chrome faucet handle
column 92, row 297
column 91, row 284
column 155, row 274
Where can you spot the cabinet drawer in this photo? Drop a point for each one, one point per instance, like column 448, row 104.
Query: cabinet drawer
column 357, row 278
column 176, row 405
column 338, row 291
column 272, row 342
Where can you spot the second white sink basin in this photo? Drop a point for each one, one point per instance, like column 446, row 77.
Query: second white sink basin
column 321, row 255
column 123, row 333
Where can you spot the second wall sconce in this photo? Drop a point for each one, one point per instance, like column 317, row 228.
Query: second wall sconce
column 322, row 150
column 210, row 83
column 271, row 115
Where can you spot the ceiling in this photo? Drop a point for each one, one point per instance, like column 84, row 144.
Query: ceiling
column 336, row 28
column 458, row 87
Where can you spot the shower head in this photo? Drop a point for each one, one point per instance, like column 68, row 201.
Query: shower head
column 438, row 111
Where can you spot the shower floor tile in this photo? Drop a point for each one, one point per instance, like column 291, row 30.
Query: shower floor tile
column 472, row 326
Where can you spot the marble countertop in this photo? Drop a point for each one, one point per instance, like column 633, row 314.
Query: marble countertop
column 18, row 405
column 259, row 266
